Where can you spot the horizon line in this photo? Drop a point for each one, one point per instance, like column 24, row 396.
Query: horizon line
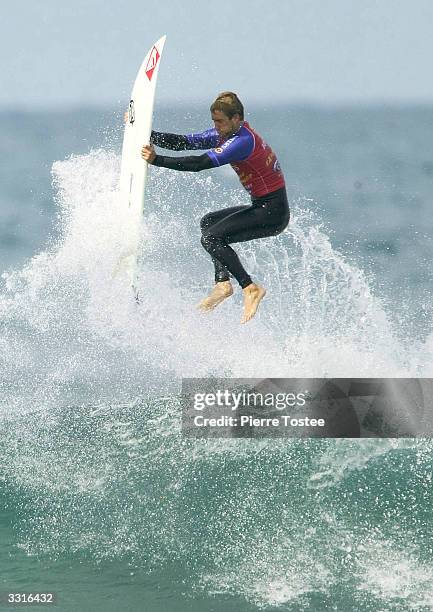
column 116, row 107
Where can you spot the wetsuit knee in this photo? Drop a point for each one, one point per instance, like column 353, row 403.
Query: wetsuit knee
column 205, row 221
column 209, row 242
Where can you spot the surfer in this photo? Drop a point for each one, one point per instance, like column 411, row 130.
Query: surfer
column 231, row 141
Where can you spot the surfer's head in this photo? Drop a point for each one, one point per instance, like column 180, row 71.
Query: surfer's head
column 227, row 113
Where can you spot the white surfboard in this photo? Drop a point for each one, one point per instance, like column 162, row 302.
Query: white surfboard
column 133, row 171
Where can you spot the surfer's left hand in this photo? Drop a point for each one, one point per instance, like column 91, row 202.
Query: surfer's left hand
column 148, row 153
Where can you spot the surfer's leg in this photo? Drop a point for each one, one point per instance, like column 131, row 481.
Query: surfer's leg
column 223, row 287
column 217, row 215
column 221, row 272
column 240, row 226
column 268, row 218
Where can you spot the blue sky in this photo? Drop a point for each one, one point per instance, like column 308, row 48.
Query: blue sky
column 63, row 53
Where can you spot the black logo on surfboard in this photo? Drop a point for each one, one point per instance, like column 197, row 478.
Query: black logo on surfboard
column 131, row 112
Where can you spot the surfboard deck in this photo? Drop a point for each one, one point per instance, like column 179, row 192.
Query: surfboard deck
column 133, row 170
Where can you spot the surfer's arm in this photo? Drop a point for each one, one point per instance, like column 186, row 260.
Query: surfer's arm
column 179, row 142
column 175, row 142
column 194, row 163
column 189, row 163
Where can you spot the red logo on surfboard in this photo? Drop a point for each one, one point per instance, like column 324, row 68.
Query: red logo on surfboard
column 151, row 64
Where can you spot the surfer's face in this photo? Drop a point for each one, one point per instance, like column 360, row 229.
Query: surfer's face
column 225, row 126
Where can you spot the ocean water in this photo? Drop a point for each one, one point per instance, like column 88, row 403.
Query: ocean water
column 103, row 501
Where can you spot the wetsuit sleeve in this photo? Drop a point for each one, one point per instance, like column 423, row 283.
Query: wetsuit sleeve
column 178, row 142
column 175, row 142
column 235, row 149
column 190, row 163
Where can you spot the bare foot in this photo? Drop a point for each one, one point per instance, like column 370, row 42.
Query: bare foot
column 252, row 296
column 219, row 293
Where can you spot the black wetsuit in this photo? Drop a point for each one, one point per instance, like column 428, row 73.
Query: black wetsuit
column 268, row 214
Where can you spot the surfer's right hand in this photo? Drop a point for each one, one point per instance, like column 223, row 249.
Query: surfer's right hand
column 126, row 117
column 148, row 153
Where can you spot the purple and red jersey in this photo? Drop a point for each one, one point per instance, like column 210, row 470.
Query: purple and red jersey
column 248, row 154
